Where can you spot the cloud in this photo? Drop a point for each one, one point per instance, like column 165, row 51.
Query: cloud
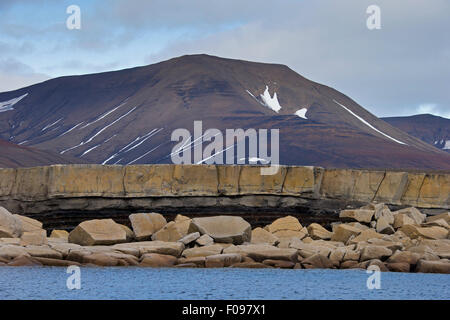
column 389, row 71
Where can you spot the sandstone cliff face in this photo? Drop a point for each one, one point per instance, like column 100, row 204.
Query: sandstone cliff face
column 423, row 190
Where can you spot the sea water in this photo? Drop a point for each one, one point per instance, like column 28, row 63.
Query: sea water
column 203, row 284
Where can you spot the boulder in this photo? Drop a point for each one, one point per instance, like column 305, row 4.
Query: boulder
column 222, row 260
column 146, row 224
column 259, row 235
column 402, row 219
column 10, row 252
column 309, row 249
column 365, row 235
column 316, row 231
column 197, row 261
column 204, row 240
column 433, row 266
column 29, row 224
column 60, row 234
column 445, row 216
column 156, row 260
column 283, row 224
column 24, row 261
column 189, row 238
column 360, row 215
column 38, row 237
column 383, row 226
column 439, row 247
column 371, row 252
column 360, row 226
column 413, row 213
column 398, row 266
column 281, row 264
column 169, row 248
column 404, row 257
column 317, row 261
column 43, row 252
column 98, row 232
column 10, row 226
column 337, row 256
column 129, row 232
column 261, row 252
column 203, row 251
column 168, row 233
column 343, row 232
column 386, row 214
column 374, row 262
column 100, row 259
column 415, row 232
column 225, row 229
column 352, row 255
column 437, row 223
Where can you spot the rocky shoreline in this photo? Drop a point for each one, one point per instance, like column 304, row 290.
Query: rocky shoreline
column 401, row 241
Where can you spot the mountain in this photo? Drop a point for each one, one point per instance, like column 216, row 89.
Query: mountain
column 429, row 128
column 12, row 156
column 128, row 116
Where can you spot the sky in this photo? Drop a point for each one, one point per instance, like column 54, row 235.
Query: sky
column 401, row 69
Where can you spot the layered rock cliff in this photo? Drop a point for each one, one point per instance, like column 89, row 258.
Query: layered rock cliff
column 63, row 195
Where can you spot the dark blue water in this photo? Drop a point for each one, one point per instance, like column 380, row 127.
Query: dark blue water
column 147, row 283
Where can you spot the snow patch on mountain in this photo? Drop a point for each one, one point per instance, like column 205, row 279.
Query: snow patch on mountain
column 8, row 105
column 301, row 113
column 447, row 145
column 271, row 102
column 368, row 124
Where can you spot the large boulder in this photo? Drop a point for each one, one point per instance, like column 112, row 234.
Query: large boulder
column 161, row 247
column 383, row 225
column 98, row 232
column 360, row 215
column 37, row 237
column 316, row 231
column 317, row 261
column 60, row 234
column 440, row 266
column 222, row 260
column 445, row 216
column 29, row 224
column 415, row 232
column 287, row 227
column 156, row 260
column 343, row 232
column 146, row 224
column 402, row 219
column 203, row 251
column 10, row 226
column 413, row 213
column 225, row 229
column 366, row 235
column 261, row 252
column 375, row 252
column 259, row 235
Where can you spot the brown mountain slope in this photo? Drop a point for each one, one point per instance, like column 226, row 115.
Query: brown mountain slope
column 12, row 156
column 127, row 116
column 429, row 128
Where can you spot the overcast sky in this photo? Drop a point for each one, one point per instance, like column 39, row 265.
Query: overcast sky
column 401, row 69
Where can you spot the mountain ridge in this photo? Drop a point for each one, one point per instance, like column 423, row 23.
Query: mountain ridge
column 94, row 117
